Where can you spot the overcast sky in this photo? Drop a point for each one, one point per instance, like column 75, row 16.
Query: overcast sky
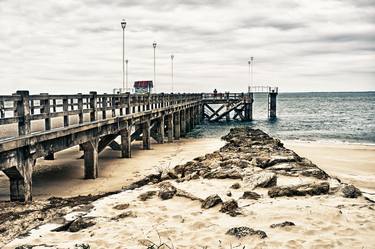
column 76, row 46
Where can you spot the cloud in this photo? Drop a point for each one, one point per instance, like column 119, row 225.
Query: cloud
column 77, row 45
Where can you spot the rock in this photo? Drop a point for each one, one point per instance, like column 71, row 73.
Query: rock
column 240, row 232
column 261, row 179
column 211, row 201
column 153, row 178
column 167, row 190
column 82, row 246
column 229, row 193
column 250, row 195
column 235, row 163
column 235, row 186
column 220, row 173
column 147, row 195
column 124, row 215
column 121, row 206
column 283, row 224
column 183, row 193
column 300, row 190
column 230, row 207
column 80, row 223
column 350, row 191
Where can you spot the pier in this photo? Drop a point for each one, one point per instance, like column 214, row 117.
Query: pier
column 93, row 121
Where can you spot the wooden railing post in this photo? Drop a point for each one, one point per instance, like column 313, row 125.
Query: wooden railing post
column 46, row 109
column 104, row 106
column 80, row 108
column 66, row 111
column 23, row 113
column 93, row 101
column 113, row 106
column 2, row 112
column 128, row 97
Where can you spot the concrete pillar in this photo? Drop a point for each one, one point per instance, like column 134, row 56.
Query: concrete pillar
column 20, row 178
column 146, row 135
column 177, row 125
column 170, row 128
column 126, row 141
column 272, row 104
column 90, row 157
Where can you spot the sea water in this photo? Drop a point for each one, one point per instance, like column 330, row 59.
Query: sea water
column 330, row 116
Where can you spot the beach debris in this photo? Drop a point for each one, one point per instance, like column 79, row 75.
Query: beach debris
column 261, row 179
column 243, row 231
column 250, row 195
column 147, row 195
column 350, row 191
column 230, row 207
column 300, row 190
column 235, row 186
column 183, row 193
column 283, row 224
column 211, row 201
column 167, row 190
column 121, row 206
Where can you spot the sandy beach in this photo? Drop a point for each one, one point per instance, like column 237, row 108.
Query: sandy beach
column 125, row 220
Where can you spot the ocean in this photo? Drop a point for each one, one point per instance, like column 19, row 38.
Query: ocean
column 343, row 117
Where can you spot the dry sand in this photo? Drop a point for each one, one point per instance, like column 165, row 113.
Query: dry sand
column 321, row 222
column 351, row 163
column 64, row 176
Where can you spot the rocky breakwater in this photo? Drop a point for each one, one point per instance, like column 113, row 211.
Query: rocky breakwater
column 252, row 193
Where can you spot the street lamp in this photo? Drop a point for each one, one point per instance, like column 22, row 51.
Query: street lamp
column 123, row 25
column 252, row 65
column 127, row 86
column 172, row 57
column 248, row 83
column 154, row 45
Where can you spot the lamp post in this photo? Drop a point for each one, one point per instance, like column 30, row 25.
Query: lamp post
column 127, row 86
column 154, row 45
column 249, row 81
column 123, row 25
column 252, row 65
column 172, row 57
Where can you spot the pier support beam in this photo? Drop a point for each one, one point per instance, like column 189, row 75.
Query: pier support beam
column 146, row 134
column 20, row 178
column 90, row 157
column 272, row 105
column 170, row 128
column 177, row 126
column 126, row 141
column 161, row 131
column 183, row 122
column 248, row 107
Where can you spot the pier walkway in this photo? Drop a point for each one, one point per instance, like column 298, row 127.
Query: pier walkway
column 37, row 126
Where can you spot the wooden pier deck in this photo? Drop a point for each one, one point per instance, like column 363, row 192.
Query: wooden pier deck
column 93, row 121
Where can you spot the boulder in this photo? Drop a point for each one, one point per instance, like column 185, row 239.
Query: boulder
column 167, row 190
column 235, row 186
column 250, row 195
column 300, row 190
column 350, row 191
column 80, row 223
column 240, row 232
column 261, row 179
column 230, row 207
column 220, row 173
column 211, row 201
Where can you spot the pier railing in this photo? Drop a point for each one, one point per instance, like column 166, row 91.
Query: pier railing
column 21, row 108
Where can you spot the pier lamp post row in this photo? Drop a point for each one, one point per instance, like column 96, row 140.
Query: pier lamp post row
column 123, row 26
column 154, row 46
